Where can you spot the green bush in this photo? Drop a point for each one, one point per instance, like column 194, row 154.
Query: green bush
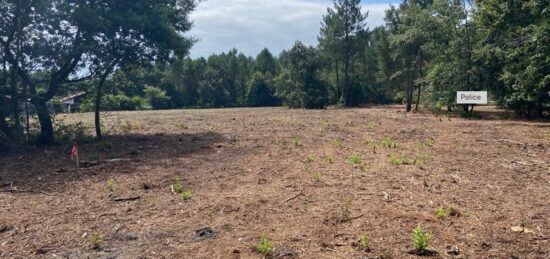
column 157, row 97
column 421, row 239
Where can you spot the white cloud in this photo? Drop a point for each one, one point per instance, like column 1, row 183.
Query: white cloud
column 251, row 25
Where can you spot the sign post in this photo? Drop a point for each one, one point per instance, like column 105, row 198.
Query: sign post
column 471, row 97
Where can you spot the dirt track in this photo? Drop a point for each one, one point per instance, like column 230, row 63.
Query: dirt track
column 254, row 171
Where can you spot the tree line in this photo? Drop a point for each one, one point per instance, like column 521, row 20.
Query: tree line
column 131, row 55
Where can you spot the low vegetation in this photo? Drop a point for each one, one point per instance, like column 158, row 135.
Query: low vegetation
column 420, row 239
column 97, row 240
column 111, row 184
column 177, row 187
column 364, row 242
column 264, row 246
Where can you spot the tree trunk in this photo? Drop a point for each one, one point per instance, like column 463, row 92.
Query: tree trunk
column 338, row 90
column 419, row 85
column 409, row 96
column 97, row 118
column 4, row 128
column 14, row 103
column 346, row 73
column 97, row 108
column 46, row 127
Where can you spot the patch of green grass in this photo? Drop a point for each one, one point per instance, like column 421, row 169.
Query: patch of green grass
column 345, row 205
column 296, row 142
column 317, row 177
column 336, row 143
column 373, row 145
column 97, row 240
column 443, row 213
column 111, row 184
column 421, row 159
column 389, row 143
column 425, row 143
column 364, row 168
column 364, row 242
column 177, row 187
column 187, row 195
column 265, row 246
column 370, row 126
column 330, row 159
column 400, row 160
column 309, row 158
column 421, row 239
column 355, row 159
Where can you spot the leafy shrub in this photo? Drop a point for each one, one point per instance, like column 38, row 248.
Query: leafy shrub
column 421, row 239
column 364, row 242
column 111, row 184
column 442, row 212
column 97, row 240
column 265, row 246
column 186, row 195
column 67, row 133
column 355, row 159
column 400, row 160
column 389, row 143
column 157, row 97
column 177, row 187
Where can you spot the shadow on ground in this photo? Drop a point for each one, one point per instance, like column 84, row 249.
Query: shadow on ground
column 47, row 170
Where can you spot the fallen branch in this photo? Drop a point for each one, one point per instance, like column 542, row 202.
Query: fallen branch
column 511, row 141
column 352, row 218
column 26, row 191
column 133, row 198
column 295, row 196
column 114, row 160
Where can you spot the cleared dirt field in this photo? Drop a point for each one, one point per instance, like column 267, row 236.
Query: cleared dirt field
column 288, row 174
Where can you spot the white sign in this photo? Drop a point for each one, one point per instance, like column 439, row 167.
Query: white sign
column 471, row 97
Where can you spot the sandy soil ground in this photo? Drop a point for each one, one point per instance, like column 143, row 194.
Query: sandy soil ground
column 312, row 181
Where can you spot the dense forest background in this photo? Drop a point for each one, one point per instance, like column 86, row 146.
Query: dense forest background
column 131, row 56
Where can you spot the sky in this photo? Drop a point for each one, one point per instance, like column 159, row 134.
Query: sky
column 251, row 25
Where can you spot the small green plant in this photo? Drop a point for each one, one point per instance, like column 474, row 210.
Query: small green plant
column 389, row 143
column 345, row 205
column 96, row 240
column 330, row 159
column 337, row 143
column 187, row 195
column 309, row 158
column 400, row 160
column 265, row 246
column 317, row 177
column 425, row 143
column 364, row 242
column 296, row 142
column 443, row 213
column 420, row 159
column 421, row 239
column 176, row 187
column 373, row 145
column 111, row 184
column 370, row 126
column 365, row 168
column 355, row 159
